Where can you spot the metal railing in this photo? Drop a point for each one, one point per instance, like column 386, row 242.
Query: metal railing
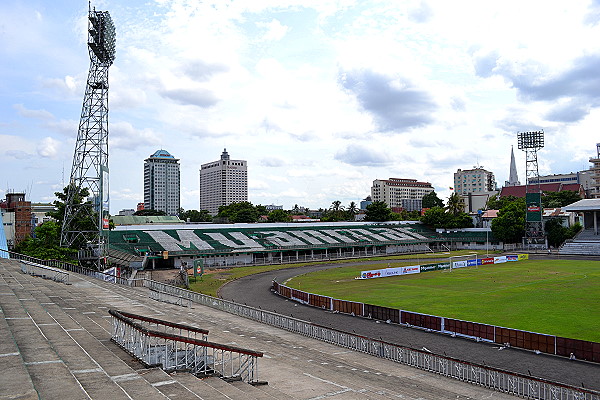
column 65, row 266
column 183, row 351
column 57, row 275
column 481, row 375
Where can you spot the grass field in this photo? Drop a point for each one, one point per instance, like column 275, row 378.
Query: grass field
column 215, row 278
column 556, row 297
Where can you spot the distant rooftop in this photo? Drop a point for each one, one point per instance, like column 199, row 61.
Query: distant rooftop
column 162, row 154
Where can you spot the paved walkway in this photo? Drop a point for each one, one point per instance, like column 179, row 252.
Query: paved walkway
column 55, row 344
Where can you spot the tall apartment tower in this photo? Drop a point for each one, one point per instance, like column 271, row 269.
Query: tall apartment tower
column 476, row 180
column 595, row 171
column 223, row 182
column 400, row 193
column 162, row 183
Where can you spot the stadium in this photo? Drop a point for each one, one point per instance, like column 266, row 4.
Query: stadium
column 163, row 246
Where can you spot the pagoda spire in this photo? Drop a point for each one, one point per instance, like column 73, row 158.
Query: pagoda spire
column 513, row 177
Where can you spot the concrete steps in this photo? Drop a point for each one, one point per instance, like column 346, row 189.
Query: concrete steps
column 62, row 358
column 55, row 343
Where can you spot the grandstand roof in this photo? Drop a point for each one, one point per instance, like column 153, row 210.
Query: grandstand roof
column 213, row 238
column 584, row 205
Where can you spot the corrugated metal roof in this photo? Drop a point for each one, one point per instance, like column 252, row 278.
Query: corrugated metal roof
column 584, row 205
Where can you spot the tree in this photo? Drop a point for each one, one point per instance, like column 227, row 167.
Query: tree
column 46, row 244
column 559, row 199
column 557, row 233
column 279, row 216
column 509, row 225
column 351, row 211
column 81, row 221
column 59, row 213
column 239, row 212
column 436, row 217
column 455, row 204
column 431, row 200
column 378, row 211
column 195, row 215
column 497, row 202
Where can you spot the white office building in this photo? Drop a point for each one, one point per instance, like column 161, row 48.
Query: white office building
column 223, row 182
column 162, row 183
column 476, row 186
column 476, row 180
column 400, row 193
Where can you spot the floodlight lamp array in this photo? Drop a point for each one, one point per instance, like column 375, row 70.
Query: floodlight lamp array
column 102, row 36
column 531, row 140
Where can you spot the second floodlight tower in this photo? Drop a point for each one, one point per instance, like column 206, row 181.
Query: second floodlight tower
column 531, row 142
column 86, row 218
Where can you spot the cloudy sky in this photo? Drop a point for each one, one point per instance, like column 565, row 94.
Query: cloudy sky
column 320, row 97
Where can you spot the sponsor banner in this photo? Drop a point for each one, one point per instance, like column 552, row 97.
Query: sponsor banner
column 415, row 269
column 111, row 274
column 434, row 267
column 499, row 260
column 472, row 263
column 480, row 261
column 459, row 264
column 512, row 258
column 382, row 273
column 485, row 261
column 523, row 257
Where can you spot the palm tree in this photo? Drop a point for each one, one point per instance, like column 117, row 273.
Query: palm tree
column 336, row 209
column 456, row 204
column 352, row 210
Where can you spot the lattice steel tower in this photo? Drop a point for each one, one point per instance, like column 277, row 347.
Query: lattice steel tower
column 531, row 142
column 84, row 222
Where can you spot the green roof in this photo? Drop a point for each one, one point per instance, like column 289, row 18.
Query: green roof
column 186, row 240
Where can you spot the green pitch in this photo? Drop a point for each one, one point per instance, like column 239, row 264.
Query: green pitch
column 554, row 297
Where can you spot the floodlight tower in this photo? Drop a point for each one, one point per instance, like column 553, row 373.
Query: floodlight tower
column 531, row 142
column 84, row 221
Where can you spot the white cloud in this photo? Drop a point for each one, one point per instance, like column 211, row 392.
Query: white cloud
column 122, row 135
column 274, row 30
column 49, row 148
column 34, row 114
column 427, row 88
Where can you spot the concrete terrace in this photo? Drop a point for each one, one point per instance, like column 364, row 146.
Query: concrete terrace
column 55, row 344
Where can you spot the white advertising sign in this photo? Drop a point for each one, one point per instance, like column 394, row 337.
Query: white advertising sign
column 382, row 273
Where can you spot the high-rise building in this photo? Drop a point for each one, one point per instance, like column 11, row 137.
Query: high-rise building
column 475, row 186
column 400, row 193
column 162, row 183
column 595, row 171
column 476, row 180
column 223, row 182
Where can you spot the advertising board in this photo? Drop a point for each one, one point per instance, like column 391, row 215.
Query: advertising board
column 382, row 273
column 435, row 267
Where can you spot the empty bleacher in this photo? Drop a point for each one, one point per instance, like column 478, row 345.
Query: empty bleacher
column 55, row 343
column 586, row 243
